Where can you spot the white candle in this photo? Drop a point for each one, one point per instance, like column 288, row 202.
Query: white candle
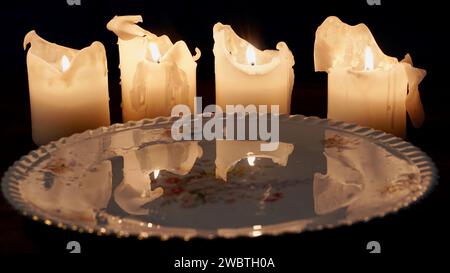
column 364, row 85
column 155, row 73
column 230, row 152
column 68, row 88
column 370, row 97
column 246, row 75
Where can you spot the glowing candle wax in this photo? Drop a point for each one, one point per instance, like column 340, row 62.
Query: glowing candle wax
column 68, row 88
column 246, row 75
column 155, row 73
column 364, row 85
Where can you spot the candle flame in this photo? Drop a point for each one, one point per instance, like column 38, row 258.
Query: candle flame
column 65, row 63
column 155, row 174
column 154, row 50
column 368, row 59
column 251, row 55
column 251, row 160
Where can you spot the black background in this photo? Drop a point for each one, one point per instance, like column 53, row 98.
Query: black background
column 399, row 27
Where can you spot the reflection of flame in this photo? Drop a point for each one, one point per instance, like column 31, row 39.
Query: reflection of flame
column 154, row 50
column 368, row 59
column 251, row 160
column 230, row 152
column 155, row 174
column 251, row 55
column 65, row 63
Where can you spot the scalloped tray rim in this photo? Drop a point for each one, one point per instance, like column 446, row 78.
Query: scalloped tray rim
column 420, row 159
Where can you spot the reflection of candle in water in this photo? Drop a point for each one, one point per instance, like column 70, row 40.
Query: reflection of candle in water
column 155, row 174
column 340, row 186
column 230, row 152
column 251, row 159
column 142, row 168
column 79, row 201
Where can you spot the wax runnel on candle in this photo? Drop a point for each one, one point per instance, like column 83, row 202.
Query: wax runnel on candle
column 378, row 97
column 155, row 74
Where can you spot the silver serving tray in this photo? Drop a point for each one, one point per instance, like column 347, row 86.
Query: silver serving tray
column 324, row 174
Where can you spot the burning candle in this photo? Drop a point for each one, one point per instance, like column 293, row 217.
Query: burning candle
column 364, row 85
column 68, row 88
column 246, row 75
column 155, row 73
column 230, row 152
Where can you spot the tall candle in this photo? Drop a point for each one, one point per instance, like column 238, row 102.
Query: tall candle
column 155, row 73
column 246, row 75
column 68, row 88
column 364, row 85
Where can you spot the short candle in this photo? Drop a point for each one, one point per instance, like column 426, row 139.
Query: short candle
column 246, row 75
column 68, row 88
column 364, row 85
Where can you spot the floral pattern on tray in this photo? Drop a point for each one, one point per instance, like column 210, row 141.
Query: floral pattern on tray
column 201, row 187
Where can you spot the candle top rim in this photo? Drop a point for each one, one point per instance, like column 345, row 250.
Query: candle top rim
column 338, row 44
column 228, row 43
column 51, row 54
column 126, row 29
